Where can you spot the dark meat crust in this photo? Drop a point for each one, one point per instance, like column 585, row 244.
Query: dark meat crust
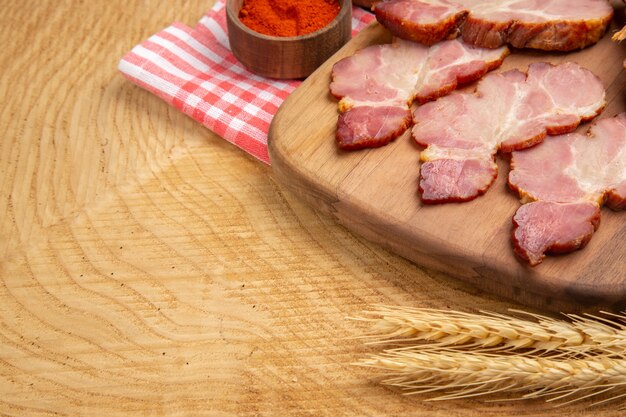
column 547, row 36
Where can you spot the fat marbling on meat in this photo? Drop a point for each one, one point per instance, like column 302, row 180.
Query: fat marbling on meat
column 508, row 111
column 378, row 83
column 564, row 182
column 559, row 25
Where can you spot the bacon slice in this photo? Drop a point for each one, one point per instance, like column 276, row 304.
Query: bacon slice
column 462, row 132
column 548, row 227
column 426, row 22
column 557, row 25
column 564, row 182
column 377, row 85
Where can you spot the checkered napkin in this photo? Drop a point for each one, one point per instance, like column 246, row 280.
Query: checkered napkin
column 195, row 71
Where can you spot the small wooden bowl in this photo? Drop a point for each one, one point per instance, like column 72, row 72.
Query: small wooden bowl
column 286, row 57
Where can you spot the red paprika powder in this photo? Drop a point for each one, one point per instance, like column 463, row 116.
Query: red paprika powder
column 288, row 17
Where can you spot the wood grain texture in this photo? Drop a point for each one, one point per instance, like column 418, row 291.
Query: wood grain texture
column 374, row 193
column 150, row 268
column 287, row 57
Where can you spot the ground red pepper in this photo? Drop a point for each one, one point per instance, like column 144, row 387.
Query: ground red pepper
column 288, row 17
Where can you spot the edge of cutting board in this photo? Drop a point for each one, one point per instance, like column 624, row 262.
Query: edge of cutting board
column 373, row 193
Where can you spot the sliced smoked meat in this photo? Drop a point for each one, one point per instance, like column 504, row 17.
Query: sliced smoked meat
column 555, row 25
column 547, row 227
column 377, row 85
column 426, row 22
column 564, row 182
column 463, row 131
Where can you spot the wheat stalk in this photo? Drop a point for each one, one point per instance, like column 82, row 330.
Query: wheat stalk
column 454, row 375
column 491, row 331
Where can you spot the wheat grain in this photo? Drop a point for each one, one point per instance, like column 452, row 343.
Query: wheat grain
column 491, row 331
column 454, row 375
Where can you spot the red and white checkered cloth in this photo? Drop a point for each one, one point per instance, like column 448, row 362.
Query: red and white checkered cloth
column 195, row 71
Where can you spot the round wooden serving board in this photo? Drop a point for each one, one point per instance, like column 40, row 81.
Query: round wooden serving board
column 374, row 194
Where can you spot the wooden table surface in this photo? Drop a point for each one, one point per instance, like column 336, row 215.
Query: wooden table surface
column 150, row 268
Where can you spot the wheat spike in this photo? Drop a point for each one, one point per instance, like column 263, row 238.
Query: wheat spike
column 491, row 331
column 454, row 375
column 620, row 36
